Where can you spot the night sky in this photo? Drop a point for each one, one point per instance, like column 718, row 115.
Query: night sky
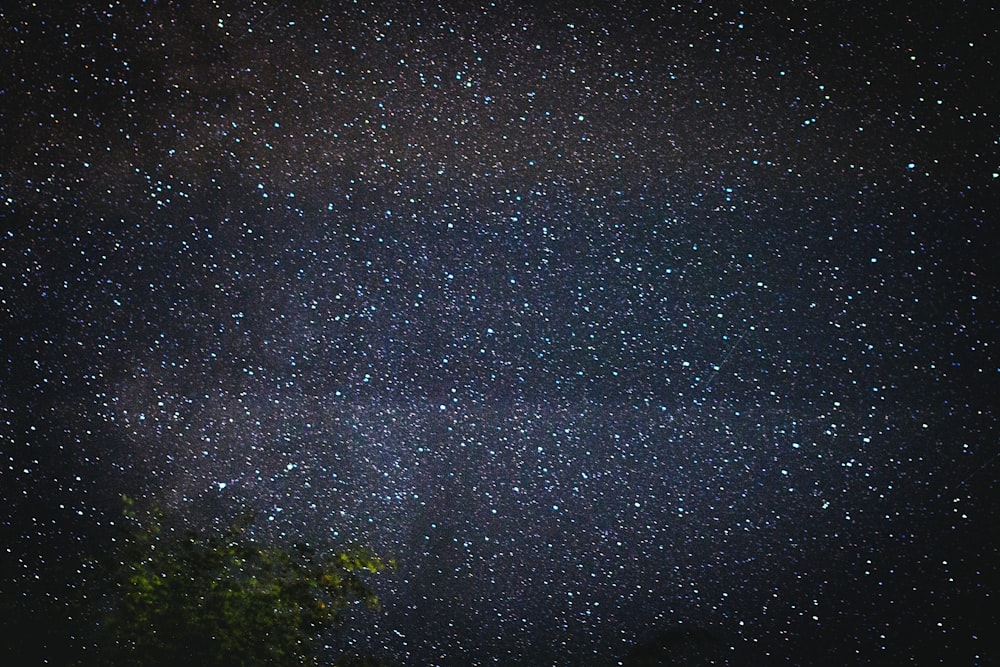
column 603, row 322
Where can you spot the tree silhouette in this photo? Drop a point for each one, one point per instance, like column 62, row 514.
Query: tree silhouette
column 181, row 597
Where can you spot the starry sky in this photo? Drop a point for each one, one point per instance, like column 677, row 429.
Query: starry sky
column 604, row 321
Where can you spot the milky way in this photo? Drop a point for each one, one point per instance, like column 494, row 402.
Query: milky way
column 604, row 322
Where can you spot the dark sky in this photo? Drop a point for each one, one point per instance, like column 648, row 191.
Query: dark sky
column 604, row 322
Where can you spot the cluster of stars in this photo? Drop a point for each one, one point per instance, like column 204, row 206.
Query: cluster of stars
column 603, row 321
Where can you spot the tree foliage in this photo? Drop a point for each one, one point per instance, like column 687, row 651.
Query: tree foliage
column 187, row 598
